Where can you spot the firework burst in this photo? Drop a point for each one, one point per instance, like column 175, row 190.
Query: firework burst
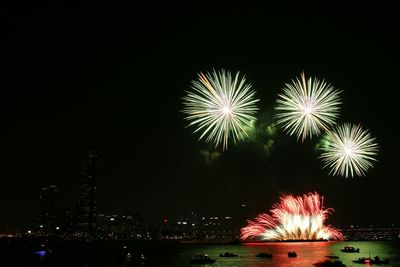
column 293, row 218
column 306, row 107
column 348, row 150
column 220, row 106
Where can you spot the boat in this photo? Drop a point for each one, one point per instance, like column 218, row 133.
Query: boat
column 368, row 260
column 264, row 255
column 292, row 254
column 129, row 255
column 201, row 259
column 43, row 250
column 40, row 252
column 350, row 249
column 329, row 263
column 228, row 254
column 332, row 257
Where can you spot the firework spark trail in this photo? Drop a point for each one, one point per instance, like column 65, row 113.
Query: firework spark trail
column 306, row 107
column 348, row 150
column 220, row 107
column 293, row 218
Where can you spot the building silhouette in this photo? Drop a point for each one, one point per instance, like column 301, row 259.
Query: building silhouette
column 86, row 207
column 49, row 209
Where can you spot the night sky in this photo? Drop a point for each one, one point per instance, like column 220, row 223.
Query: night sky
column 111, row 78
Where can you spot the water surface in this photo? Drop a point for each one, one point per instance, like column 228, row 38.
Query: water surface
column 114, row 254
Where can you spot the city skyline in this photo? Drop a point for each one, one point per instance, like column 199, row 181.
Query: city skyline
column 112, row 81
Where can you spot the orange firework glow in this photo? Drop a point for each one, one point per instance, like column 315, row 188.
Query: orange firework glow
column 293, row 218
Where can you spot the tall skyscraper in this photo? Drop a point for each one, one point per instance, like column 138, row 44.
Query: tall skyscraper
column 86, row 213
column 49, row 208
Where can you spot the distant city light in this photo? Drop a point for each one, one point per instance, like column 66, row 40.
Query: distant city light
column 29, row 231
column 41, row 226
column 57, row 228
column 111, row 219
column 184, row 222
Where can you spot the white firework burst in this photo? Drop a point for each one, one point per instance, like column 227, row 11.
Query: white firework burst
column 306, row 107
column 220, row 106
column 349, row 150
